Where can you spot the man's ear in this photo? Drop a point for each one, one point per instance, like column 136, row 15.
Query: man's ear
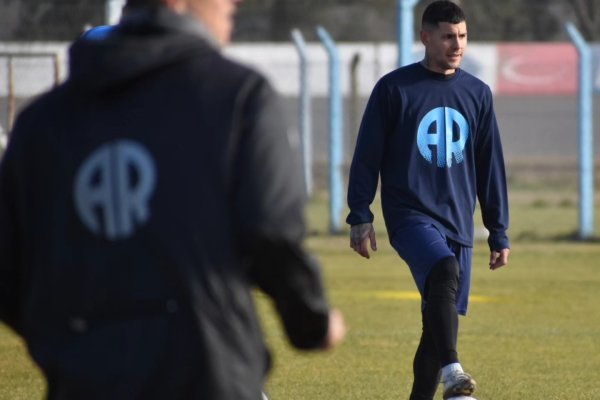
column 424, row 35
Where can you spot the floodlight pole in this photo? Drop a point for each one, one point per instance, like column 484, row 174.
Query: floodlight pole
column 586, row 134
column 406, row 16
column 335, row 133
column 305, row 110
column 113, row 10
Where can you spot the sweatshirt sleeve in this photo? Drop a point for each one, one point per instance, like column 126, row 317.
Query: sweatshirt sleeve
column 269, row 198
column 368, row 153
column 491, row 177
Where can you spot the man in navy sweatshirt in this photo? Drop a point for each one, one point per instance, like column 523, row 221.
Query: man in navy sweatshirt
column 429, row 131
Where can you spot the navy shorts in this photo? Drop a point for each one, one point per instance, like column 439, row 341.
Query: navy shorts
column 421, row 246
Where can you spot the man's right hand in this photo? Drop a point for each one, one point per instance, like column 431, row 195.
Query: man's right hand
column 361, row 236
column 337, row 330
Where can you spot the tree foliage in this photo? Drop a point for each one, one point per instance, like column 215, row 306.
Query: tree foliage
column 511, row 20
column 375, row 20
column 587, row 15
column 346, row 20
column 51, row 20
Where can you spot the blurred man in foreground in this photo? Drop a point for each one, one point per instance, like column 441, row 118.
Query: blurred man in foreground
column 140, row 202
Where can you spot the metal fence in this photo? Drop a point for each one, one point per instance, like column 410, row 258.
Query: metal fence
column 535, row 87
column 25, row 73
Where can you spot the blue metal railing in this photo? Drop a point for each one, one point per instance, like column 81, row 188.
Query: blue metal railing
column 336, row 195
column 305, row 110
column 405, row 27
column 586, row 134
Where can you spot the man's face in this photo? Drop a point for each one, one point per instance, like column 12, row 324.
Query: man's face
column 216, row 15
column 444, row 46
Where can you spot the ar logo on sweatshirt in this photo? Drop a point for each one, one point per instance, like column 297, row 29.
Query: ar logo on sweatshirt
column 113, row 187
column 447, row 130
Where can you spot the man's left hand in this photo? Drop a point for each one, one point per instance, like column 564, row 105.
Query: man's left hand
column 498, row 258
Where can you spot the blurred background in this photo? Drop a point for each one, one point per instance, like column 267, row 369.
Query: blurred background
column 520, row 48
column 347, row 20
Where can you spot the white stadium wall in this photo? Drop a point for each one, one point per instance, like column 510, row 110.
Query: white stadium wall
column 519, row 68
column 32, row 74
column 535, row 87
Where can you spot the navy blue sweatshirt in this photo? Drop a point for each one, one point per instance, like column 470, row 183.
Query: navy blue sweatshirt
column 435, row 142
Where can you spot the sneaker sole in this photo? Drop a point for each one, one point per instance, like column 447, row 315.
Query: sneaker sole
column 465, row 388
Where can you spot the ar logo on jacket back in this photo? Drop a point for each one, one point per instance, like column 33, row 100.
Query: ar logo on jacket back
column 437, row 128
column 113, row 188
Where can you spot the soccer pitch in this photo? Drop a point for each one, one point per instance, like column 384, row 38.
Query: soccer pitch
column 533, row 329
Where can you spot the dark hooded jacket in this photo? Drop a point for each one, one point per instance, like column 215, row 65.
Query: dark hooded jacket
column 140, row 202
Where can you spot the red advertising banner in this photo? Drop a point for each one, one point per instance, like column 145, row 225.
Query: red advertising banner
column 537, row 68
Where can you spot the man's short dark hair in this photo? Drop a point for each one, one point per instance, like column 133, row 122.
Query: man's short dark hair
column 442, row 11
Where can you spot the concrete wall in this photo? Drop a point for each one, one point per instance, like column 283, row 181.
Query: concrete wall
column 509, row 69
column 535, row 87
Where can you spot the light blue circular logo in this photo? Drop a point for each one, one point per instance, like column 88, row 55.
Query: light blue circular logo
column 447, row 130
column 113, row 187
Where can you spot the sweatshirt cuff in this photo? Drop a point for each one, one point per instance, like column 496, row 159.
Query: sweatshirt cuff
column 498, row 241
column 359, row 217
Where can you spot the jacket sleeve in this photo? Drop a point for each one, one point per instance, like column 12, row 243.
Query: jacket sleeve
column 491, row 178
column 368, row 153
column 9, row 246
column 269, row 199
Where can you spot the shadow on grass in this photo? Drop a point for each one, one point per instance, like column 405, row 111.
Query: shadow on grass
column 574, row 237
column 570, row 237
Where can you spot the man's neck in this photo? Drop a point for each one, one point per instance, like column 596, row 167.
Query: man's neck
column 448, row 72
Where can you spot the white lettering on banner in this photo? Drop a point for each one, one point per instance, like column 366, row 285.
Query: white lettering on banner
column 113, row 187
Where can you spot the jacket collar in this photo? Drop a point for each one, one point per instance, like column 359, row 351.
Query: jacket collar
column 163, row 18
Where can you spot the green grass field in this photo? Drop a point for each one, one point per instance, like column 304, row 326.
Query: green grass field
column 533, row 329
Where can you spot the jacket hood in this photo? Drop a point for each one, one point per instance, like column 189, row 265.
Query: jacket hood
column 145, row 41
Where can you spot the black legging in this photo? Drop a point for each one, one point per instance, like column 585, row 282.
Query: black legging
column 440, row 329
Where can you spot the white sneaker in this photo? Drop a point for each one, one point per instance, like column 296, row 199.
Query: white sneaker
column 459, row 384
